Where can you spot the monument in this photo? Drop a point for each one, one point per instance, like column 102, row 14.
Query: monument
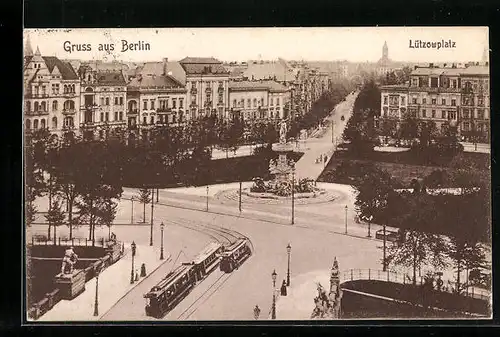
column 282, row 167
column 70, row 281
column 328, row 306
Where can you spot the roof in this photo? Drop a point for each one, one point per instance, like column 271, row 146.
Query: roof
column 394, row 87
column 154, row 81
column 257, row 85
column 199, row 60
column 156, row 68
column 204, row 68
column 65, row 68
column 110, row 78
column 264, row 71
column 475, row 70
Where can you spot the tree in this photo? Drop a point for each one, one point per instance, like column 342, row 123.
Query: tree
column 144, row 196
column 427, row 132
column 55, row 217
column 376, row 200
column 107, row 214
column 409, row 128
column 417, row 242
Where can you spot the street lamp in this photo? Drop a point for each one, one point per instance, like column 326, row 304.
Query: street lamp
column 273, row 312
column 369, row 225
column 162, row 226
column 152, row 208
column 132, row 213
column 132, row 270
column 288, row 250
column 96, row 302
column 207, row 198
column 346, row 219
column 293, row 194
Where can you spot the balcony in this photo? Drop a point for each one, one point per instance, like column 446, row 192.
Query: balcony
column 208, row 90
column 164, row 110
column 132, row 111
column 68, row 111
column 69, row 94
column 193, row 105
column 194, row 91
column 87, row 125
column 37, row 112
column 220, row 89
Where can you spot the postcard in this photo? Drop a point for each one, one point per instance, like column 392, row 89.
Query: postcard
column 257, row 174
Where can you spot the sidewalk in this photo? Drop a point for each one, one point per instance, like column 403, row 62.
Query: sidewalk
column 114, row 283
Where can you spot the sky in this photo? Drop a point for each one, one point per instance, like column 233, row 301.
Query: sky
column 354, row 44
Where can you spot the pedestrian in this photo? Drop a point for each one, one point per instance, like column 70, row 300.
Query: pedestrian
column 283, row 288
column 256, row 312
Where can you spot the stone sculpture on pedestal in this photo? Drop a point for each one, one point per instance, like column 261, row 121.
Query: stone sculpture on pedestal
column 328, row 306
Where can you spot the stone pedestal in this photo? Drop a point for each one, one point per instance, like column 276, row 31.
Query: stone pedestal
column 71, row 285
column 281, row 168
column 114, row 251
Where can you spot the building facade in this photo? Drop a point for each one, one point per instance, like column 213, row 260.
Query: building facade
column 259, row 100
column 207, row 85
column 51, row 94
column 155, row 99
column 449, row 97
column 103, row 101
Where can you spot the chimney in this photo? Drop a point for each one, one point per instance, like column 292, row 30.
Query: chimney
column 165, row 61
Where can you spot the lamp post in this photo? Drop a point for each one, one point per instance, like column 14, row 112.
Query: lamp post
column 288, row 250
column 369, row 226
column 162, row 226
column 132, row 270
column 293, row 194
column 239, row 201
column 152, row 209
column 207, row 199
column 132, row 213
column 333, row 131
column 346, row 219
column 273, row 312
column 96, row 302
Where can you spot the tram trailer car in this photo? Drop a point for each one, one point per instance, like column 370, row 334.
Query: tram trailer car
column 234, row 255
column 206, row 261
column 170, row 291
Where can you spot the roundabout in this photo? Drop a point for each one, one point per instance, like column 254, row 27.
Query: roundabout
column 248, row 197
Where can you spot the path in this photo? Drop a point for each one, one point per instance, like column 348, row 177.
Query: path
column 307, row 167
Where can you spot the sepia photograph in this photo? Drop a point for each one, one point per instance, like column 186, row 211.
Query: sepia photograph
column 257, row 174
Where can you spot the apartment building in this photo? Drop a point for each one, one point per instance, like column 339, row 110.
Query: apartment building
column 448, row 96
column 259, row 100
column 51, row 93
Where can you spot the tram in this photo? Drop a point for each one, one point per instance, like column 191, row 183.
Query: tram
column 170, row 291
column 205, row 262
column 234, row 255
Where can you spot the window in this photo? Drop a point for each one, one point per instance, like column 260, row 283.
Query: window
column 102, row 100
column 480, row 101
column 102, row 116
column 454, row 84
column 424, row 113
column 116, row 100
column 433, row 113
column 414, row 100
column 255, row 102
column 434, row 82
column 107, row 116
column 414, row 82
column 193, row 99
column 433, row 101
column 152, row 119
column 54, row 123
column 403, row 100
column 28, row 106
column 35, row 124
column 453, row 102
column 54, row 106
column 272, row 102
column 43, row 106
column 121, row 115
column 107, row 100
column 249, row 103
column 466, row 126
column 68, row 121
column 221, row 98
column 42, row 123
column 181, row 103
column 277, row 101
column 28, row 124
column 121, row 100
column 174, row 103
column 144, row 120
column 443, row 101
column 36, row 106
column 443, row 114
column 152, row 104
column 480, row 114
column 116, row 115
column 465, row 113
column 452, row 115
column 234, row 103
column 145, row 104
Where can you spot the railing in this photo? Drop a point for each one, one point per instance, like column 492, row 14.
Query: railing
column 44, row 241
column 391, row 276
column 37, row 112
column 68, row 111
column 164, row 110
column 194, row 91
column 132, row 111
column 69, row 94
